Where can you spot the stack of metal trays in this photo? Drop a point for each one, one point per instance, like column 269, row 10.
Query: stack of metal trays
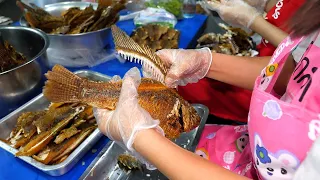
column 105, row 167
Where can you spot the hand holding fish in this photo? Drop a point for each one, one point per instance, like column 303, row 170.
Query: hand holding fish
column 186, row 66
column 235, row 12
column 123, row 124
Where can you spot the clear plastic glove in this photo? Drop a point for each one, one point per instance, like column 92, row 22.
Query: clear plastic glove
column 234, row 12
column 204, row 6
column 186, row 66
column 123, row 124
column 258, row 4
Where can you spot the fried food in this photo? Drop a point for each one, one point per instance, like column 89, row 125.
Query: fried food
column 55, row 152
column 69, row 132
column 156, row 37
column 165, row 104
column 9, row 57
column 127, row 162
column 74, row 20
column 39, row 18
column 61, row 129
column 234, row 41
column 24, row 129
column 44, row 137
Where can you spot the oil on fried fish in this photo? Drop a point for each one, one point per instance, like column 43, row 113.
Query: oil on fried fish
column 74, row 20
column 127, row 162
column 51, row 135
column 165, row 104
column 38, row 142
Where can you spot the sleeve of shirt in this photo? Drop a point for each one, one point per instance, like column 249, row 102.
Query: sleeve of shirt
column 283, row 11
column 302, row 47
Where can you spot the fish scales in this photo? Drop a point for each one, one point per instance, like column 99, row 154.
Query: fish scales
column 164, row 104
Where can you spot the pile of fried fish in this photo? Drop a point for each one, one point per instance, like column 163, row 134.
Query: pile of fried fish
column 156, row 37
column 51, row 135
column 234, row 41
column 74, row 20
column 9, row 57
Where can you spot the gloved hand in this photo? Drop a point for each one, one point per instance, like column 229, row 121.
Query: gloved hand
column 235, row 12
column 186, row 66
column 123, row 124
column 258, row 4
column 204, row 6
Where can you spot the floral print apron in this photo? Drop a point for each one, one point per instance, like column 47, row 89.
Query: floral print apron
column 280, row 130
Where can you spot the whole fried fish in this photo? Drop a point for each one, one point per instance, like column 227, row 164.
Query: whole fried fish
column 164, row 104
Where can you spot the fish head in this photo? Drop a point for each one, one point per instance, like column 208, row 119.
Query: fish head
column 182, row 118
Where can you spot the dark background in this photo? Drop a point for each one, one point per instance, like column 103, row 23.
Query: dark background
column 8, row 8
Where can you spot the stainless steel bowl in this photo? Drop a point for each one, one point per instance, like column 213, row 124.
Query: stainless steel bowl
column 75, row 50
column 20, row 84
column 42, row 3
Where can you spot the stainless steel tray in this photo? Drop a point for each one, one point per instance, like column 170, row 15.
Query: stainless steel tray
column 40, row 102
column 104, row 166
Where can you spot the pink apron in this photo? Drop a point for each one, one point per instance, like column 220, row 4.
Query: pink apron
column 281, row 130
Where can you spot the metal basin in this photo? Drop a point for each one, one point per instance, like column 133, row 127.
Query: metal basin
column 20, row 84
column 42, row 3
column 75, row 50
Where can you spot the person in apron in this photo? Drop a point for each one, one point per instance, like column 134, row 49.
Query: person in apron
column 283, row 121
column 232, row 102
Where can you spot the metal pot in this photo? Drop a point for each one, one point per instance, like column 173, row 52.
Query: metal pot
column 75, row 50
column 22, row 83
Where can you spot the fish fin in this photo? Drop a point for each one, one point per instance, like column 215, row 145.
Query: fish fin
column 62, row 85
column 132, row 51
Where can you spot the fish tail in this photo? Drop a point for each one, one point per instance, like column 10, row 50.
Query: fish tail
column 62, row 85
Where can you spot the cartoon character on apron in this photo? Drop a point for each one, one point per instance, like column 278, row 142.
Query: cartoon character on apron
column 281, row 131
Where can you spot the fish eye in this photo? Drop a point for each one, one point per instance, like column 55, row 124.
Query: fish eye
column 283, row 171
column 270, row 169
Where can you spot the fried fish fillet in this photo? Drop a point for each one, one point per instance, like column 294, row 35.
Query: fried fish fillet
column 41, row 140
column 164, row 104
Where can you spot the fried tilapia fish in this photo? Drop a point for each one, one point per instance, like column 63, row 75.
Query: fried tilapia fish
column 164, row 104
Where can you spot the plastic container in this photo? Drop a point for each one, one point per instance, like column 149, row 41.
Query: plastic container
column 189, row 8
column 172, row 6
column 155, row 16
